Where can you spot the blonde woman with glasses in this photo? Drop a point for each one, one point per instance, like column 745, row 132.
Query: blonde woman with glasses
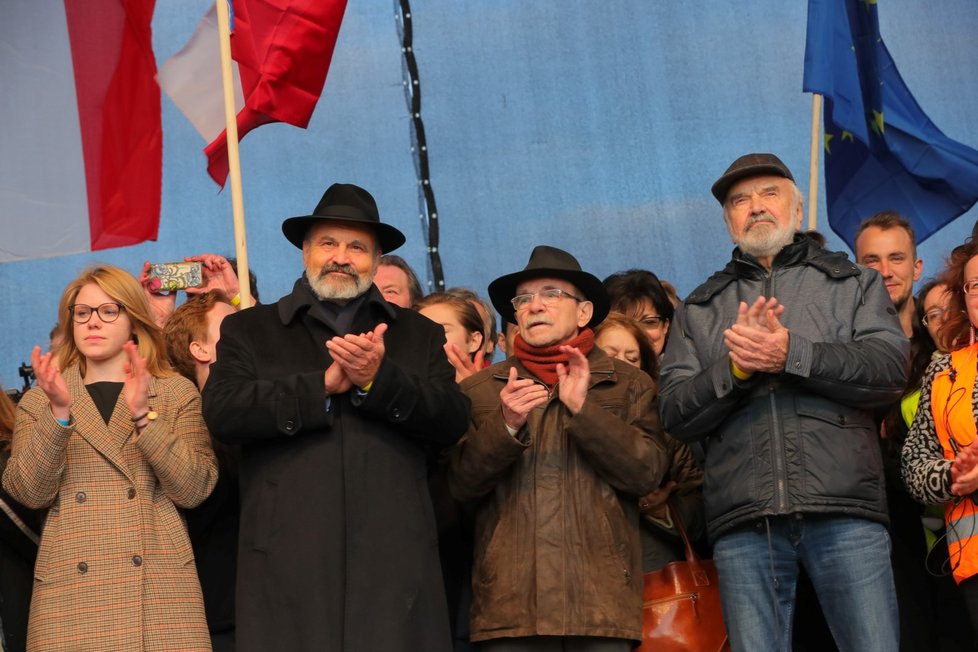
column 112, row 443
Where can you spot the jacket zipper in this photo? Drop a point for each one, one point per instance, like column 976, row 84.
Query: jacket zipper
column 777, row 441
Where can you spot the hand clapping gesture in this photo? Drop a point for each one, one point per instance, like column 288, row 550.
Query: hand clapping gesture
column 519, row 397
column 757, row 340
column 573, row 379
column 51, row 382
column 135, row 388
column 358, row 356
column 464, row 366
column 964, row 471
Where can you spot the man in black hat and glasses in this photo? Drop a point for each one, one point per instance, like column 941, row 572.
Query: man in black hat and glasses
column 562, row 442
column 335, row 396
column 775, row 363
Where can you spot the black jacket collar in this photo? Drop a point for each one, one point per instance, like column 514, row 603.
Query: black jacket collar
column 373, row 309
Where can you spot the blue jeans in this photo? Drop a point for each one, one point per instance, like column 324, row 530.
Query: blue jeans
column 848, row 560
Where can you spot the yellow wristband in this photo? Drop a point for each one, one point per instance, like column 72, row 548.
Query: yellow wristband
column 236, row 300
column 366, row 388
column 739, row 373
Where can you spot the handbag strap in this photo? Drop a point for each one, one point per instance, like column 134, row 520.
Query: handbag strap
column 695, row 564
column 677, row 520
column 12, row 515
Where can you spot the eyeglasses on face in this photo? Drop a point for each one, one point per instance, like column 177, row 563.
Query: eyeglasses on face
column 653, row 322
column 971, row 288
column 107, row 312
column 548, row 297
column 935, row 315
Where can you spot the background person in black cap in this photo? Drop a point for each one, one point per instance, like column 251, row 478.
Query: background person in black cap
column 563, row 441
column 781, row 391
column 335, row 396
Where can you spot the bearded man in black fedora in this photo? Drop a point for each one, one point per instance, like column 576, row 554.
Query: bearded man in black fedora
column 336, row 396
column 562, row 442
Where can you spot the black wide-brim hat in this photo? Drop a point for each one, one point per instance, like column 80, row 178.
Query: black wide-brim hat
column 345, row 202
column 550, row 262
column 749, row 165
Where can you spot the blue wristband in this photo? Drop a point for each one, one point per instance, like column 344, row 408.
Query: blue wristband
column 63, row 422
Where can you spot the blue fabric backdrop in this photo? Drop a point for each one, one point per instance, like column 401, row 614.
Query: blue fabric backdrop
column 596, row 127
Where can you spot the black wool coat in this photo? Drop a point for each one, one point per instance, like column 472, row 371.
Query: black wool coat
column 338, row 547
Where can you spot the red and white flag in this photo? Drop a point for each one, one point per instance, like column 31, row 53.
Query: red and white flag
column 282, row 50
column 81, row 147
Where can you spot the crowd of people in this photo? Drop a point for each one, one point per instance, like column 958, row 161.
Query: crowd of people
column 358, row 466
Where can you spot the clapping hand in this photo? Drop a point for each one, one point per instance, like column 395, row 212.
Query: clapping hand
column 359, row 356
column 135, row 388
column 964, row 471
column 464, row 365
column 757, row 340
column 519, row 397
column 573, row 379
column 51, row 382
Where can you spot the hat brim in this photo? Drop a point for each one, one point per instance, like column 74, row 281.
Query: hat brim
column 503, row 289
column 388, row 237
column 722, row 185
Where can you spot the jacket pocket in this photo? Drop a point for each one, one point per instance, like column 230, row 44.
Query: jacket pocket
column 495, row 560
column 618, row 549
column 839, row 453
column 171, row 527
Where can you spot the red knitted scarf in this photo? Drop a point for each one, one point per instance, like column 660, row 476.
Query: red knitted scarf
column 542, row 361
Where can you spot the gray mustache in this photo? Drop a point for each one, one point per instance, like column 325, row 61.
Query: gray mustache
column 345, row 269
column 763, row 217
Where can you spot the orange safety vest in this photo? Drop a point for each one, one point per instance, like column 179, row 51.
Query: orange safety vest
column 953, row 413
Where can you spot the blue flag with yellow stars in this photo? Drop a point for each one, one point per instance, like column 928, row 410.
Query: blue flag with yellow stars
column 882, row 152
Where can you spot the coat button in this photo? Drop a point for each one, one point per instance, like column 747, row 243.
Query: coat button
column 131, row 493
column 81, row 497
column 290, row 425
column 137, row 560
column 82, row 567
column 842, row 421
column 797, row 364
column 396, row 413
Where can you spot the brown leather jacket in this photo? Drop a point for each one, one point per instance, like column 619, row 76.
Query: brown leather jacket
column 557, row 548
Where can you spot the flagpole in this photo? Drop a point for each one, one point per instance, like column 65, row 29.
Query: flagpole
column 816, row 147
column 234, row 160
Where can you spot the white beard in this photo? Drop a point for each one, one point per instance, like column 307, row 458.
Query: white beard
column 762, row 242
column 331, row 288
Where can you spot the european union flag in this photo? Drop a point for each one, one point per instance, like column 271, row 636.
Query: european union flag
column 882, row 152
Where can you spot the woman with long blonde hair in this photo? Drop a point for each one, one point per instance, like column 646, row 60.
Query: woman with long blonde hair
column 112, row 442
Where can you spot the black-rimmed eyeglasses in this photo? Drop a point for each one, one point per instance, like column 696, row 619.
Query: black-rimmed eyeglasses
column 107, row 312
column 653, row 322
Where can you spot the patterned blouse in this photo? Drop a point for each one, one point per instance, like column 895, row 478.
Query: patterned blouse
column 926, row 474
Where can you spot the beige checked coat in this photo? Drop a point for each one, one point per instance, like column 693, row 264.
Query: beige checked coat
column 115, row 569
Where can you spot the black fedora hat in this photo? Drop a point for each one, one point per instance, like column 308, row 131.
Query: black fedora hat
column 550, row 262
column 345, row 202
column 749, row 165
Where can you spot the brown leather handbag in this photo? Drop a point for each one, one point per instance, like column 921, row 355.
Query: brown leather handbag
column 681, row 610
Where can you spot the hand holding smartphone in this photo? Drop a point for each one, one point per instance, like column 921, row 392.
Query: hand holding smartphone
column 167, row 277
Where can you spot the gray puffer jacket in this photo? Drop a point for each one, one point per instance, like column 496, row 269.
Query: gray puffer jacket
column 803, row 440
